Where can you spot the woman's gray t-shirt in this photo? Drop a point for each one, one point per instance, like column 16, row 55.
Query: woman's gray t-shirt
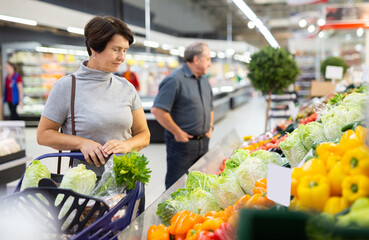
column 103, row 106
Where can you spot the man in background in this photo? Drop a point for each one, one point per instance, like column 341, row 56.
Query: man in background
column 184, row 108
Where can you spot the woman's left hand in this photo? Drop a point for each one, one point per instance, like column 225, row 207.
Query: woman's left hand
column 115, row 146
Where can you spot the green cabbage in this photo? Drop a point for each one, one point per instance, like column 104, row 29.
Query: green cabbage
column 34, row 173
column 311, row 133
column 179, row 192
column 250, row 171
column 237, row 158
column 354, row 100
column 269, row 157
column 203, row 201
column 79, row 179
column 293, row 148
column 167, row 209
column 226, row 190
column 196, row 179
column 355, row 114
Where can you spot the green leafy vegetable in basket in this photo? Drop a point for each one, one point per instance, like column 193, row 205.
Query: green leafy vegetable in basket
column 121, row 173
column 34, row 173
column 130, row 168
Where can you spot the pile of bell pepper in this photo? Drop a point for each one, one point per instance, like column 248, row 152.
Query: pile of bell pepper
column 338, row 176
column 266, row 144
column 214, row 225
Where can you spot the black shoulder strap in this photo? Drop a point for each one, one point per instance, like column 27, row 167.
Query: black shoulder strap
column 72, row 100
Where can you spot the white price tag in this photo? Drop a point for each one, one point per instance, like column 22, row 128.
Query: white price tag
column 279, row 184
column 333, row 72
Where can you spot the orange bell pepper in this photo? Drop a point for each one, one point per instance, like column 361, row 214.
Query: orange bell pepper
column 356, row 161
column 314, row 191
column 159, row 232
column 260, row 186
column 259, row 200
column 240, row 203
column 183, row 221
column 335, row 177
column 335, row 205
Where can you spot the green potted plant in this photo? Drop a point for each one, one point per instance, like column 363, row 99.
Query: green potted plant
column 332, row 61
column 272, row 70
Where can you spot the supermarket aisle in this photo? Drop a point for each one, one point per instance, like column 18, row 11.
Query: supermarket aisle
column 247, row 119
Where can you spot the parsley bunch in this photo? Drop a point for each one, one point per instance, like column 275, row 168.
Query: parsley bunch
column 130, row 168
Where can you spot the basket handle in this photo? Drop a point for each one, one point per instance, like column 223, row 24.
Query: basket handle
column 76, row 155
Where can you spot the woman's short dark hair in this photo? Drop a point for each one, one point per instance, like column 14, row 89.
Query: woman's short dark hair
column 195, row 49
column 100, row 30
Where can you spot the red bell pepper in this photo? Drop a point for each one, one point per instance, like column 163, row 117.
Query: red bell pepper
column 225, row 232
column 206, row 235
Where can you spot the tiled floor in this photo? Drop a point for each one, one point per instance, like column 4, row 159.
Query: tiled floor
column 247, row 119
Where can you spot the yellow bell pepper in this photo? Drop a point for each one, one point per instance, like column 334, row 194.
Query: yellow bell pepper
column 314, row 191
column 324, row 150
column 297, row 174
column 332, row 160
column 314, row 166
column 356, row 161
column 351, row 139
column 354, row 187
column 335, row 177
column 335, row 205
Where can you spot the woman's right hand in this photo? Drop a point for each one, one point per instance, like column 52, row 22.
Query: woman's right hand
column 93, row 152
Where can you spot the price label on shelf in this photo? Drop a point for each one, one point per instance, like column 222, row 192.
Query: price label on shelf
column 279, row 184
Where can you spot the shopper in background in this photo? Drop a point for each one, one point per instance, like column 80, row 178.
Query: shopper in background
column 132, row 77
column 13, row 91
column 109, row 117
column 184, row 108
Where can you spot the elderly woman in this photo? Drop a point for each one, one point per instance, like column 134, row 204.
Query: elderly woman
column 106, row 109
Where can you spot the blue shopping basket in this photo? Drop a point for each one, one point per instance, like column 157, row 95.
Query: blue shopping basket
column 103, row 226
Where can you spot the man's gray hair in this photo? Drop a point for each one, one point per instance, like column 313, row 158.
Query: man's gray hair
column 195, row 49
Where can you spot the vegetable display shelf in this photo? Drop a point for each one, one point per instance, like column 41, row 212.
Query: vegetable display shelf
column 209, row 163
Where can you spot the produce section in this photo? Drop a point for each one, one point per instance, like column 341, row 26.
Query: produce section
column 328, row 183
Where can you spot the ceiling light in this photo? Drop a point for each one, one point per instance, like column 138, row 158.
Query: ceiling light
column 213, row 54
column 360, row 32
column 174, row 52
column 251, row 25
column 18, row 20
column 321, row 22
column 221, row 55
column 311, row 28
column 302, row 23
column 230, row 52
column 75, row 30
column 358, row 47
column 252, row 17
column 166, row 46
column 321, row 34
column 151, row 44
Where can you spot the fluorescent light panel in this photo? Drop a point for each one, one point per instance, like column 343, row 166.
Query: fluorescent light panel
column 252, row 17
column 18, row 20
column 76, row 30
